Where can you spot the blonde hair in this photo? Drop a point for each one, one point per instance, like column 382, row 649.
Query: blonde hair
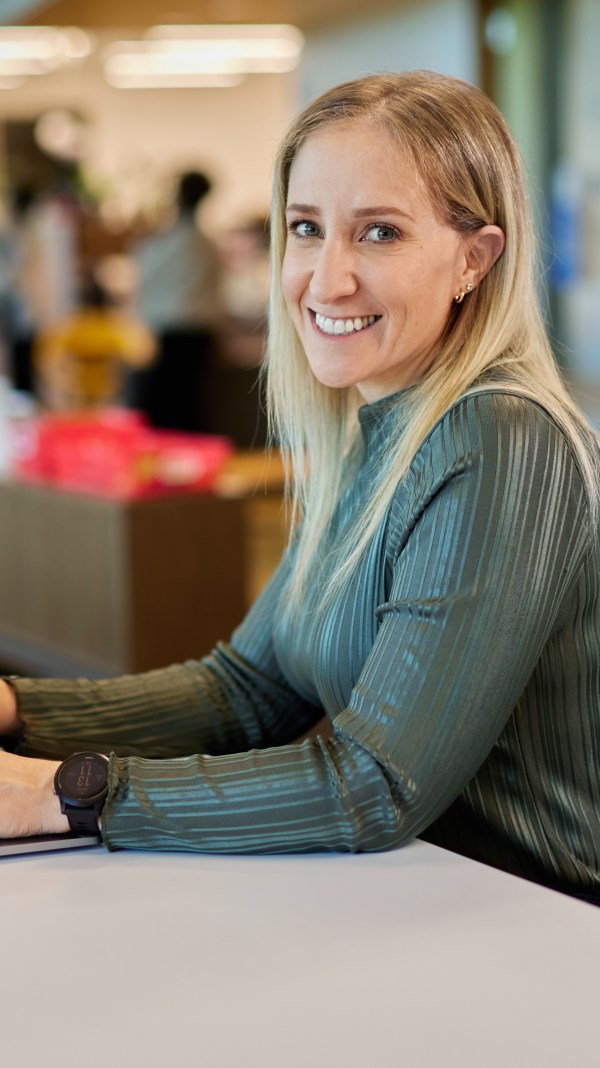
column 465, row 155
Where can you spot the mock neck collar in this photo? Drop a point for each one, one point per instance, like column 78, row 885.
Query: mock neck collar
column 377, row 418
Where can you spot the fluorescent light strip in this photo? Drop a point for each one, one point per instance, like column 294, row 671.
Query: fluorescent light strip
column 186, row 56
column 44, row 41
column 36, row 50
column 40, row 48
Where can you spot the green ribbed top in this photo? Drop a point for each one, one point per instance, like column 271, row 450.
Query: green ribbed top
column 460, row 671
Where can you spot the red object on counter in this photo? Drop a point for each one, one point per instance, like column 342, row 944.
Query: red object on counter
column 115, row 453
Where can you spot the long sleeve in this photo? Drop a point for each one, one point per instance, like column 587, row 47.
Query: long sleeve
column 489, row 536
column 484, row 574
column 231, row 700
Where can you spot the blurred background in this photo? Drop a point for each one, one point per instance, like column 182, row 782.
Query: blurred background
column 103, row 111
column 136, row 146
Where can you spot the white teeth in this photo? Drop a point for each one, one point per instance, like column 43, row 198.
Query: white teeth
column 342, row 326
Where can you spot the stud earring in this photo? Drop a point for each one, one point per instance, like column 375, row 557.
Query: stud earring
column 461, row 296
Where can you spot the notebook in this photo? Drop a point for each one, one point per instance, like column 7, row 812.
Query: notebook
column 46, row 843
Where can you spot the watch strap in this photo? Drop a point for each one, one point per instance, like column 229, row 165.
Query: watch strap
column 82, row 821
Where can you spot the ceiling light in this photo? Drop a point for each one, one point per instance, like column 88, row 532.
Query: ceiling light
column 36, row 50
column 193, row 56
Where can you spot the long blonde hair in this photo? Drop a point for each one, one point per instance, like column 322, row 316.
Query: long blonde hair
column 470, row 165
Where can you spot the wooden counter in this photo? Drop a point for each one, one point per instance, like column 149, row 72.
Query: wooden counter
column 98, row 587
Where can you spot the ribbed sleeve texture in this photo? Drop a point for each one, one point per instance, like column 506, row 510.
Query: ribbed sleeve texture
column 459, row 670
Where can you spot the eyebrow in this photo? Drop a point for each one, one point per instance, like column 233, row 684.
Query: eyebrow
column 360, row 213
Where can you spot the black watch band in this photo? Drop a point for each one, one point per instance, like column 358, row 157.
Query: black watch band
column 82, row 821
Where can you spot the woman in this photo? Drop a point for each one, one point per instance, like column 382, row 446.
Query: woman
column 439, row 598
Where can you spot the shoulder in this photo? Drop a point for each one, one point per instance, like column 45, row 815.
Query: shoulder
column 485, row 423
column 495, row 457
column 502, row 439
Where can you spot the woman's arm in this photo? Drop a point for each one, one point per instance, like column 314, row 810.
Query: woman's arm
column 498, row 535
column 231, row 700
column 496, row 539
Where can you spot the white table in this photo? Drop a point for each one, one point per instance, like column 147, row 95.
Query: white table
column 416, row 957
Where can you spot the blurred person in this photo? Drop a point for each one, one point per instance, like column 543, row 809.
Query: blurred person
column 439, row 600
column 17, row 321
column 45, row 236
column 180, row 302
column 81, row 361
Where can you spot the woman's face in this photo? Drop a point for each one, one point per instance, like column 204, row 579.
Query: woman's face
column 369, row 273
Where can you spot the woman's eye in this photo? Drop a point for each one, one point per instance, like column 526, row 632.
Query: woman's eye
column 304, row 228
column 381, row 232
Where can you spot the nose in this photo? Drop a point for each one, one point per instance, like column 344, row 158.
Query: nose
column 334, row 274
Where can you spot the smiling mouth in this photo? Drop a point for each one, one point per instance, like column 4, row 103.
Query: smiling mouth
column 344, row 326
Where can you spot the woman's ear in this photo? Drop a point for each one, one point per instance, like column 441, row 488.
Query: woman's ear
column 484, row 247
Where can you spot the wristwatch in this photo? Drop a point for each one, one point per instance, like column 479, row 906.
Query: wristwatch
column 81, row 785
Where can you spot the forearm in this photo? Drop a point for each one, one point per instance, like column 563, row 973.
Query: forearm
column 322, row 794
column 216, row 705
column 152, row 713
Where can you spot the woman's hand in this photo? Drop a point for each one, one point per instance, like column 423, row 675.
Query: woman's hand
column 28, row 804
column 9, row 721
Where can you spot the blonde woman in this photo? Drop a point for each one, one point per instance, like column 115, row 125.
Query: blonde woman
column 439, row 600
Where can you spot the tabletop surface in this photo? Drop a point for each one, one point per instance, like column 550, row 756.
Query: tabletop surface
column 416, row 956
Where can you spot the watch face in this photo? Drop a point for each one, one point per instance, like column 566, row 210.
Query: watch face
column 83, row 776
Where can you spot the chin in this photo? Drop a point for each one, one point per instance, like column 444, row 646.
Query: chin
column 328, row 374
column 334, row 381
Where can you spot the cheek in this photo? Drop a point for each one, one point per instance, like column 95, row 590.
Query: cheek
column 431, row 296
